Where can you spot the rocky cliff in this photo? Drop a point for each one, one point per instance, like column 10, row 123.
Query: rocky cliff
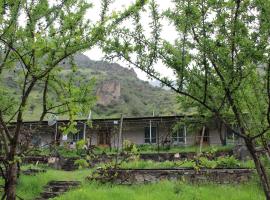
column 109, row 92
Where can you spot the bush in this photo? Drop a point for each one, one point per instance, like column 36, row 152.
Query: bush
column 82, row 163
column 127, row 145
column 228, row 162
column 80, row 147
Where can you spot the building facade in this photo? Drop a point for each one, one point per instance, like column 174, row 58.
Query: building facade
column 160, row 130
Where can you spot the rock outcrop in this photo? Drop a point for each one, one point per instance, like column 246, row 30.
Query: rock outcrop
column 109, row 93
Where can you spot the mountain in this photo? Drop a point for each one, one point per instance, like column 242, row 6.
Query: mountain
column 118, row 90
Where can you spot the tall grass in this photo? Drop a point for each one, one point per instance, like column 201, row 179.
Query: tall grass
column 29, row 187
column 165, row 190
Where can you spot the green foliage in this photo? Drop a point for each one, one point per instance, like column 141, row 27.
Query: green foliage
column 63, row 151
column 197, row 163
column 140, row 98
column 80, row 144
column 127, row 145
column 220, row 58
column 82, row 163
column 150, row 148
column 228, row 162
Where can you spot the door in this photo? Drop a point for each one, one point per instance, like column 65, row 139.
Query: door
column 104, row 138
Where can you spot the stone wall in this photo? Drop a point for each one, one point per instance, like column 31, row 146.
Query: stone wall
column 181, row 156
column 221, row 176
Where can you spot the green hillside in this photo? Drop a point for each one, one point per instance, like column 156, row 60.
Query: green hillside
column 118, row 90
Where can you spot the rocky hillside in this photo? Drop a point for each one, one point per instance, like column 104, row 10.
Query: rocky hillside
column 118, row 90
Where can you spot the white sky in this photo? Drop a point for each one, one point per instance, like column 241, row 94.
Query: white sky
column 169, row 32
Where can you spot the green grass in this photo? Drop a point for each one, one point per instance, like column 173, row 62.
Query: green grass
column 29, row 187
column 165, row 190
column 182, row 149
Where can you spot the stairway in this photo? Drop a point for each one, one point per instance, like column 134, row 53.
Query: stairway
column 57, row 188
column 69, row 164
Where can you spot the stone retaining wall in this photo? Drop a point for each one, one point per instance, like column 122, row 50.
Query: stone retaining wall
column 222, row 176
column 33, row 159
column 181, row 156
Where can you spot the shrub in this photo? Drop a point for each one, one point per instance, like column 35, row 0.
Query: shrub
column 82, row 163
column 80, row 147
column 127, row 145
column 228, row 162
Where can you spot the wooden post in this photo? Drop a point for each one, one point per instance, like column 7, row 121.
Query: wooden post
column 120, row 140
column 185, row 135
column 150, row 131
column 84, row 131
column 201, row 141
column 56, row 132
column 158, row 136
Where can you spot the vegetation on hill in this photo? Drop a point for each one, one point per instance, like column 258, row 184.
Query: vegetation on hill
column 136, row 97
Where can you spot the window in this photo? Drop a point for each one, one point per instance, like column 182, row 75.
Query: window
column 150, row 135
column 179, row 136
column 78, row 136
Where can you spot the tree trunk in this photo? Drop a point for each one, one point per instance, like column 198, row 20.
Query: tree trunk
column 259, row 167
column 221, row 135
column 11, row 181
column 12, row 170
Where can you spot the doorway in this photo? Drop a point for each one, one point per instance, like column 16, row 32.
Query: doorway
column 104, row 138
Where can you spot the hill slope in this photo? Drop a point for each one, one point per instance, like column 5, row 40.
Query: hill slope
column 118, row 90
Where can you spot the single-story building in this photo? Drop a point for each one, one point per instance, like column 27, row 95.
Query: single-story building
column 159, row 130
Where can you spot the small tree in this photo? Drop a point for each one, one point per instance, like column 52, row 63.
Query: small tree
column 36, row 37
column 220, row 58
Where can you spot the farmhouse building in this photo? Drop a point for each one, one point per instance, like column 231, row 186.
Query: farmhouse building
column 158, row 130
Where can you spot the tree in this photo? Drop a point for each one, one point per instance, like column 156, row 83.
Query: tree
column 36, row 37
column 220, row 58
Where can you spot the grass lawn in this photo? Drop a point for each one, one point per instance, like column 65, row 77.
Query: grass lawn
column 165, row 191
column 29, row 188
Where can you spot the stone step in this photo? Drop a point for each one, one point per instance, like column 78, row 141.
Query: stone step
column 69, row 165
column 69, row 168
column 57, row 188
column 64, row 183
column 48, row 195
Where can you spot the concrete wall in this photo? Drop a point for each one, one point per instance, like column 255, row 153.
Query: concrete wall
column 135, row 134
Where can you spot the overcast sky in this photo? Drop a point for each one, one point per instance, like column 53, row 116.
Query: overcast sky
column 168, row 33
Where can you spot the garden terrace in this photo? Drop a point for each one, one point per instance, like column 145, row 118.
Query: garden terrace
column 30, row 187
column 221, row 176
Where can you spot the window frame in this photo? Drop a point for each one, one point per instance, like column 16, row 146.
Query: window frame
column 150, row 139
column 180, row 139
